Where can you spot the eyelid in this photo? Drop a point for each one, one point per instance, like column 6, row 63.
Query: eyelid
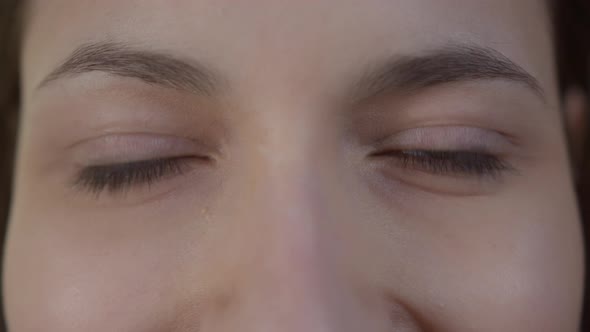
column 446, row 158
column 453, row 173
column 448, row 138
column 128, row 148
column 124, row 176
column 451, row 163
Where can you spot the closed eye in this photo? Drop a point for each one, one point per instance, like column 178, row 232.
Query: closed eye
column 122, row 176
column 447, row 162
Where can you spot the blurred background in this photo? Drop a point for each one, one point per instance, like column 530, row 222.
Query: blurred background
column 573, row 54
column 572, row 30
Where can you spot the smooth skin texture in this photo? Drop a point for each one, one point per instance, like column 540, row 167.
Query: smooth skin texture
column 292, row 205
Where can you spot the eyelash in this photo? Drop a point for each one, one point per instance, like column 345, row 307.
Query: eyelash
column 449, row 163
column 119, row 177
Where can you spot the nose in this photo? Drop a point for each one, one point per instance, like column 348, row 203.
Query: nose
column 293, row 280
column 292, row 252
column 293, row 271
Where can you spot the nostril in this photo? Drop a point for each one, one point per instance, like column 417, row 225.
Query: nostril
column 405, row 319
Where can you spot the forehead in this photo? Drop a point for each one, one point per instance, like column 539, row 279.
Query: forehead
column 322, row 37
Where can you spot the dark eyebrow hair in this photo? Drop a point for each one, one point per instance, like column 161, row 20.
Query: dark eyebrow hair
column 148, row 66
column 449, row 64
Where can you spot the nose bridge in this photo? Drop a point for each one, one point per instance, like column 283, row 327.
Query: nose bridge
column 294, row 283
column 293, row 276
column 293, row 187
column 296, row 211
column 300, row 248
column 290, row 272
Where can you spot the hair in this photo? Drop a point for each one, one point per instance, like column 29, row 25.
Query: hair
column 9, row 97
column 571, row 29
column 571, row 20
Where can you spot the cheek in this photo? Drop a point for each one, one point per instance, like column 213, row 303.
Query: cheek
column 515, row 264
column 106, row 270
column 68, row 283
column 509, row 262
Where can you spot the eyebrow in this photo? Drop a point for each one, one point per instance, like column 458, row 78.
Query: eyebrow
column 450, row 64
column 148, row 66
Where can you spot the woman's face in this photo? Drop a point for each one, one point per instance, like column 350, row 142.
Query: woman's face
column 369, row 165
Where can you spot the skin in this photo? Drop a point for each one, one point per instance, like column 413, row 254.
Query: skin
column 292, row 223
